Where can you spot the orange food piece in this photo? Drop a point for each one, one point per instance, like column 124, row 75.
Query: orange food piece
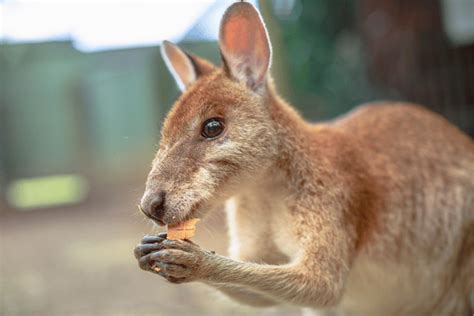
column 183, row 230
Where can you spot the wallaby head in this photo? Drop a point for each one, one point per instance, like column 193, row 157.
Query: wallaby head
column 219, row 132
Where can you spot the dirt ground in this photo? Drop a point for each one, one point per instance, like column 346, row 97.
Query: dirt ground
column 79, row 261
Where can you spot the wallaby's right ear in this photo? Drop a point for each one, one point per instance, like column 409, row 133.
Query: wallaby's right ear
column 184, row 67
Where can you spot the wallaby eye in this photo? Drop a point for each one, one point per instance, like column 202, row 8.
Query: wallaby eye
column 212, row 128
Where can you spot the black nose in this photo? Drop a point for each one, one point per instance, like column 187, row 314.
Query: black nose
column 155, row 207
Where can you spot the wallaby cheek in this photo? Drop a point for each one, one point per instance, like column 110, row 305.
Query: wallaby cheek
column 191, row 188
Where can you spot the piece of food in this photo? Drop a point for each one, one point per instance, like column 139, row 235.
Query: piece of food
column 181, row 231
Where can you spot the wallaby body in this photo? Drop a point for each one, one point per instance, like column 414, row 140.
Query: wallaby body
column 417, row 245
column 370, row 214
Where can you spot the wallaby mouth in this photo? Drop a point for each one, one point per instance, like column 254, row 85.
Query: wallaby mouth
column 193, row 213
column 157, row 221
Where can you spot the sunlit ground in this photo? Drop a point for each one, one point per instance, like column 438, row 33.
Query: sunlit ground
column 79, row 261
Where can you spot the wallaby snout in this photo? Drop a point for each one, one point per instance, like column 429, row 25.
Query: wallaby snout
column 153, row 205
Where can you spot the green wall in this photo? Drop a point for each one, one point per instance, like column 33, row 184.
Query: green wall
column 64, row 111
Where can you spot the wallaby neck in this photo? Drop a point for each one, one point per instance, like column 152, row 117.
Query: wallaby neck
column 290, row 127
column 286, row 118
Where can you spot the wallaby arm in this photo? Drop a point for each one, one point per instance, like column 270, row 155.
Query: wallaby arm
column 243, row 295
column 150, row 244
column 294, row 284
column 316, row 278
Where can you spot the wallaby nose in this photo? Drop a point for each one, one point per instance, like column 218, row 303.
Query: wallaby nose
column 153, row 206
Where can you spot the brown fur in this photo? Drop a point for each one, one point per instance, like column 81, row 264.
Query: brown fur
column 371, row 214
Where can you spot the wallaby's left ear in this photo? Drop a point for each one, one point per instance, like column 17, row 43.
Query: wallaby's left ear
column 244, row 44
column 186, row 68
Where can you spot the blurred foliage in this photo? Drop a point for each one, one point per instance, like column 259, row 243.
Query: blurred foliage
column 325, row 60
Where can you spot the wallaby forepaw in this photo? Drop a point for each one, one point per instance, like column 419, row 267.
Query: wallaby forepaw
column 145, row 248
column 176, row 260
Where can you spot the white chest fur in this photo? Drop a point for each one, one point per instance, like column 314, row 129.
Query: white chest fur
column 258, row 227
column 282, row 231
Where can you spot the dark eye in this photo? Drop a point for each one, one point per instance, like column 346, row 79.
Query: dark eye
column 212, row 128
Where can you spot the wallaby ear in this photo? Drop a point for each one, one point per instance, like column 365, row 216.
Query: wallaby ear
column 244, row 44
column 184, row 67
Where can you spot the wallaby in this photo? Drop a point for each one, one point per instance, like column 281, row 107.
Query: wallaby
column 369, row 214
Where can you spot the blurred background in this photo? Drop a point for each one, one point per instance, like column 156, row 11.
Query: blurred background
column 83, row 92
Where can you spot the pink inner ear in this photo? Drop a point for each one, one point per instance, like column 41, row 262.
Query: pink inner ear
column 181, row 65
column 245, row 36
column 238, row 36
column 244, row 43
